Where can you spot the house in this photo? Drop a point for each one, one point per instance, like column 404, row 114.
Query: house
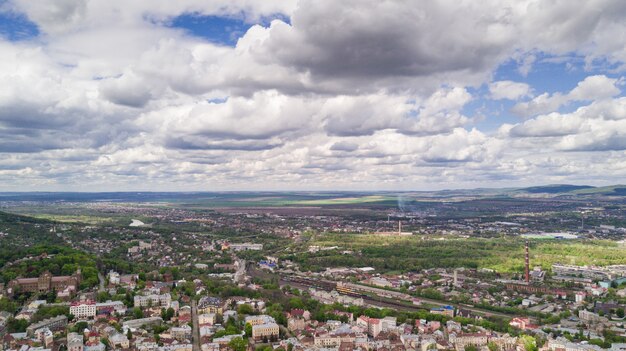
column 295, row 323
column 119, row 340
column 74, row 342
column 522, row 323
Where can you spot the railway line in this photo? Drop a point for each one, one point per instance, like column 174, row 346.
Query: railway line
column 390, row 302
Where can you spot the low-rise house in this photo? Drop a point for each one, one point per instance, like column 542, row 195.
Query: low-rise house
column 119, row 340
column 75, row 342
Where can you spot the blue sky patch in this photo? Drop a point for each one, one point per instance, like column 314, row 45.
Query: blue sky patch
column 223, row 30
column 16, row 27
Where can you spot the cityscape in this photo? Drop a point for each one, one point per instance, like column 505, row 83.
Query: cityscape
column 519, row 270
column 312, row 175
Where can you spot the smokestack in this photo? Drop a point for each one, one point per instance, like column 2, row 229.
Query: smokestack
column 399, row 227
column 526, row 268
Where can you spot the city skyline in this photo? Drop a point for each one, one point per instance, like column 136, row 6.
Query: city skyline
column 310, row 95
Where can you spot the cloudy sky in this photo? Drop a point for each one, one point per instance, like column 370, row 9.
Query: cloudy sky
column 100, row 95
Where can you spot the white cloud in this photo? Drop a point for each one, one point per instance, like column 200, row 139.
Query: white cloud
column 506, row 89
column 592, row 88
column 353, row 92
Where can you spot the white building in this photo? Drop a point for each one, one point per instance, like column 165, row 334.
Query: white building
column 83, row 309
column 114, row 278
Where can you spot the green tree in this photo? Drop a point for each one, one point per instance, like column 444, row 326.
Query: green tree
column 238, row 344
column 16, row 325
column 137, row 313
column 248, row 330
column 530, row 344
column 245, row 309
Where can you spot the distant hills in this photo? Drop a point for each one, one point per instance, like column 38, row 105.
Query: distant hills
column 555, row 189
column 581, row 190
column 315, row 198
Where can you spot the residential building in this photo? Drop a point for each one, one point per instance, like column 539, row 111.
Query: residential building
column 210, row 304
column 372, row 325
column 181, row 333
column 119, row 340
column 266, row 330
column 206, row 318
column 83, row 309
column 163, row 300
column 54, row 323
column 74, row 342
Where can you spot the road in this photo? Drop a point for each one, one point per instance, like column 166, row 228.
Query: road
column 195, row 336
column 101, row 278
column 240, row 275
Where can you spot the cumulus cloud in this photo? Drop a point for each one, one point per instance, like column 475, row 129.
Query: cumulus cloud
column 328, row 94
column 506, row 89
column 591, row 88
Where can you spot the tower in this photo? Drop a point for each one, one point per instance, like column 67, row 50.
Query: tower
column 526, row 266
column 399, row 227
column 456, row 278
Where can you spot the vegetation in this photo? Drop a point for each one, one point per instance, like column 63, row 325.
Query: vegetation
column 419, row 252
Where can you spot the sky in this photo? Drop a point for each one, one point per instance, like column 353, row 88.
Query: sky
column 212, row 95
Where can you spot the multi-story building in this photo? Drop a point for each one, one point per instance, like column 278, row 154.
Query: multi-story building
column 562, row 344
column 45, row 336
column 588, row 316
column 461, row 340
column 258, row 320
column 111, row 306
column 210, row 304
column 206, row 319
column 46, row 282
column 163, row 300
column 265, row 330
column 83, row 309
column 54, row 323
column 372, row 325
column 181, row 333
